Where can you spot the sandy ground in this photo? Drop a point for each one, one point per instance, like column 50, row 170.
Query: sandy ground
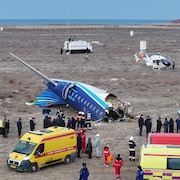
column 111, row 66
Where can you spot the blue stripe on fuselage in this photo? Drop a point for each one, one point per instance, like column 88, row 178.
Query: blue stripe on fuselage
column 93, row 95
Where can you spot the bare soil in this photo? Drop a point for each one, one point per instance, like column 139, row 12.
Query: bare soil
column 111, row 66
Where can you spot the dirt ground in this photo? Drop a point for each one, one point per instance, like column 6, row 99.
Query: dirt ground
column 111, row 66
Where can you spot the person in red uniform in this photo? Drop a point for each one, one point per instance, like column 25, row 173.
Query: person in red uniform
column 117, row 164
column 106, row 154
column 83, row 138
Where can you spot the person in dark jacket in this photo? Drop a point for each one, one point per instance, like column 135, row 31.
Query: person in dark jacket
column 84, row 173
column 132, row 146
column 7, row 126
column 69, row 123
column 73, row 120
column 32, row 124
column 159, row 125
column 89, row 148
column 4, row 128
column 178, row 124
column 141, row 124
column 171, row 125
column 148, row 124
column 140, row 174
column 19, row 127
column 166, row 125
column 79, row 145
column 47, row 122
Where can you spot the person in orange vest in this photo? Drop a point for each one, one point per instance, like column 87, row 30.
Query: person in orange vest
column 106, row 154
column 117, row 164
column 83, row 138
column 78, row 119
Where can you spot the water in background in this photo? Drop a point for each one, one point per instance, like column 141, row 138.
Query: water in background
column 13, row 22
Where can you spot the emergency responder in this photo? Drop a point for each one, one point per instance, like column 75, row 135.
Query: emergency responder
column 132, row 146
column 78, row 118
column 106, row 155
column 117, row 164
column 83, row 141
column 88, row 120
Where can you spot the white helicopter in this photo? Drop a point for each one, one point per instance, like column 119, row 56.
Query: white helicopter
column 157, row 61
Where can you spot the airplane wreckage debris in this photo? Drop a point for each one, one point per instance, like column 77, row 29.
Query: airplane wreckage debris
column 80, row 96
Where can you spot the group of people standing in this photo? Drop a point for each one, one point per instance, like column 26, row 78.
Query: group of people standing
column 87, row 148
column 80, row 121
column 168, row 125
column 82, row 146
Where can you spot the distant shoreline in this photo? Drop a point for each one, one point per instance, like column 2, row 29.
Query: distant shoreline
column 63, row 26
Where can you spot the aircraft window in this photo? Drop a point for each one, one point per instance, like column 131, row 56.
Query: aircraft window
column 94, row 108
column 76, row 95
column 82, row 100
column 79, row 97
column 91, row 106
column 101, row 113
column 88, row 104
column 85, row 102
column 72, row 93
column 97, row 110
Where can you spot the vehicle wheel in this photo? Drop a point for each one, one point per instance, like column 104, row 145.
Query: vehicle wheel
column 67, row 160
column 33, row 168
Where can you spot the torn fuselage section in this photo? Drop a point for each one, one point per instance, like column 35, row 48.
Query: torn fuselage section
column 117, row 110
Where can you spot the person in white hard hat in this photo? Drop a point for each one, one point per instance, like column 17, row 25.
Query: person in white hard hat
column 98, row 146
column 132, row 146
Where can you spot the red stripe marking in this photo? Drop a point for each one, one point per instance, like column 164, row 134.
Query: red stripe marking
column 55, row 137
column 171, row 155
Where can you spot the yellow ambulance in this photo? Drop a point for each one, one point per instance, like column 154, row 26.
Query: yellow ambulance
column 160, row 162
column 41, row 148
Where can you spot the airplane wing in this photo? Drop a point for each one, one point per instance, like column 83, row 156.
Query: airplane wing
column 46, row 79
column 47, row 98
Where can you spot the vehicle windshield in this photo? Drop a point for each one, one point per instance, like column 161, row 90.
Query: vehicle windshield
column 24, row 147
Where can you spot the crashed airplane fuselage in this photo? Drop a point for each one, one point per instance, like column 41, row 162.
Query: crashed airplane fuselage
column 80, row 96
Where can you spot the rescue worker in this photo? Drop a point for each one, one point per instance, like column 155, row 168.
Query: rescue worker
column 83, row 141
column 132, row 146
column 88, row 120
column 78, row 119
column 140, row 174
column 117, row 164
column 106, row 154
